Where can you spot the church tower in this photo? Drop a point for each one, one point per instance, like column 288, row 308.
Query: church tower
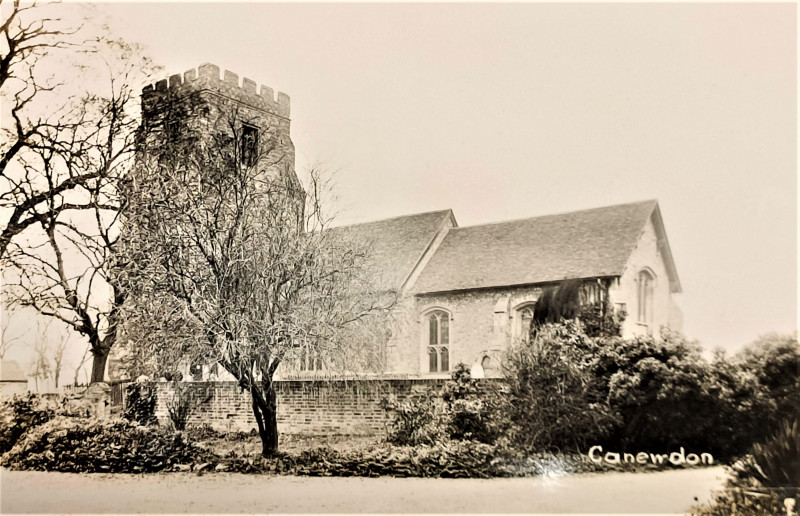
column 252, row 119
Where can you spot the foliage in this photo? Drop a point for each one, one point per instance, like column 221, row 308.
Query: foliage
column 553, row 400
column 473, row 410
column 774, row 463
column 586, row 301
column 463, row 410
column 186, row 397
column 667, row 395
column 774, row 360
column 228, row 259
column 66, row 144
column 108, row 446
column 599, row 320
column 140, row 404
column 419, row 420
column 448, row 459
column 662, row 390
column 558, row 303
column 744, row 407
column 18, row 415
column 762, row 481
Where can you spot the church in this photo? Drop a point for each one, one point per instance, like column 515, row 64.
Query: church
column 466, row 292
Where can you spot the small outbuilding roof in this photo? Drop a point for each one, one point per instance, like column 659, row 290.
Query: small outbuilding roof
column 582, row 244
column 10, row 371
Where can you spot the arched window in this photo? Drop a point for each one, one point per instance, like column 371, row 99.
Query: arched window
column 523, row 316
column 310, row 359
column 644, row 297
column 438, row 342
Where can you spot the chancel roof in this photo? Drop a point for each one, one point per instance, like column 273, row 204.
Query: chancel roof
column 582, row 244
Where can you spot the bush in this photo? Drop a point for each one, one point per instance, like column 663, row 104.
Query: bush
column 553, row 399
column 464, row 410
column 140, row 404
column 450, row 459
column 111, row 446
column 186, row 397
column 416, row 421
column 774, row 359
column 775, row 463
column 764, row 479
column 20, row 414
column 472, row 411
column 744, row 408
column 665, row 395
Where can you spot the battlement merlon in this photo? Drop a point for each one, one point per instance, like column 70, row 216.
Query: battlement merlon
column 207, row 76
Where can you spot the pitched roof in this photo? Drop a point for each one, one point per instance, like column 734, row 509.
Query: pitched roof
column 581, row 244
column 11, row 372
column 396, row 245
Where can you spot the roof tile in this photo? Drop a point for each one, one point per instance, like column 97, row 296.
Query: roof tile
column 582, row 244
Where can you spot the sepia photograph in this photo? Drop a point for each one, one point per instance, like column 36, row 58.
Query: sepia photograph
column 406, row 258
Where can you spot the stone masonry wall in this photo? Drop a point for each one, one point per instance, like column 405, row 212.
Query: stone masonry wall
column 231, row 102
column 304, row 407
column 482, row 322
column 646, row 256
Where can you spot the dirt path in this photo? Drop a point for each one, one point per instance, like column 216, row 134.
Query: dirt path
column 662, row 492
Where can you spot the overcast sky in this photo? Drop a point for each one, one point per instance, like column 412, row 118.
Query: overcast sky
column 518, row 110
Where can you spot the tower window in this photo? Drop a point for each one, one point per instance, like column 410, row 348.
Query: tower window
column 249, row 145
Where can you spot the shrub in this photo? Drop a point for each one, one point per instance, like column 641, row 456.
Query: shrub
column 20, row 414
column 415, row 421
column 553, row 400
column 774, row 359
column 472, row 411
column 464, row 410
column 140, row 404
column 763, row 480
column 111, row 446
column 186, row 397
column 775, row 463
column 664, row 394
column 744, row 408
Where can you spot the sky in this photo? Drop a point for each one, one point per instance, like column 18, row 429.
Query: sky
column 507, row 111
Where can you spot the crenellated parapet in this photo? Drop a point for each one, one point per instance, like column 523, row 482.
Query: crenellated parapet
column 207, row 77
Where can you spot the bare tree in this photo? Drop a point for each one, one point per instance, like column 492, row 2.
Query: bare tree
column 230, row 263
column 58, row 356
column 6, row 340
column 39, row 367
column 30, row 37
column 80, row 365
column 60, row 170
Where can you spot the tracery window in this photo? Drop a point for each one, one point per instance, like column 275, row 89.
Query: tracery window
column 310, row 359
column 644, row 297
column 438, row 341
column 523, row 316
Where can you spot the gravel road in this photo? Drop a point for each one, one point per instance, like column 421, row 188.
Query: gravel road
column 175, row 493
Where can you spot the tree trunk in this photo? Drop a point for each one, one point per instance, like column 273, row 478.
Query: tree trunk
column 99, row 359
column 265, row 405
column 101, row 348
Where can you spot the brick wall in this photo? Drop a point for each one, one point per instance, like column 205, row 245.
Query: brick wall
column 304, row 407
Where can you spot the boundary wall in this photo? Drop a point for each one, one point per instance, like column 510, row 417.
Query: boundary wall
column 305, row 407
